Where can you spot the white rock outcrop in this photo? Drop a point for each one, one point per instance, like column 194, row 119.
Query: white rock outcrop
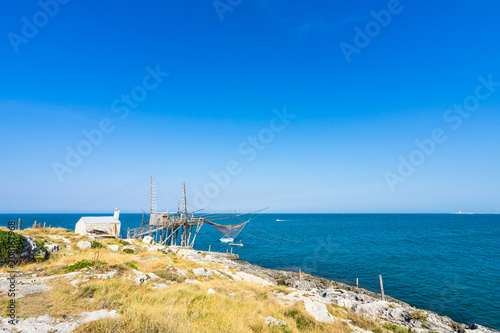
column 84, row 245
column 270, row 320
column 49, row 324
column 53, row 247
column 148, row 240
column 202, row 272
column 318, row 311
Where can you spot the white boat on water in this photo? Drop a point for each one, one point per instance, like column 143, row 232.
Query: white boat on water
column 236, row 244
column 225, row 239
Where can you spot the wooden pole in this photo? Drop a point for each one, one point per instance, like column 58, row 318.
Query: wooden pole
column 209, row 248
column 381, row 287
column 356, row 282
column 19, row 224
column 300, row 275
column 231, row 250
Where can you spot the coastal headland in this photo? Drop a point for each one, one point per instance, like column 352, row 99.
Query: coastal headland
column 64, row 282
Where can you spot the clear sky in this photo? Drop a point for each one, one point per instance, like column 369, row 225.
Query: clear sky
column 305, row 106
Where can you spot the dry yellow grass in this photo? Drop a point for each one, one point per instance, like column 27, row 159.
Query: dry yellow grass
column 235, row 306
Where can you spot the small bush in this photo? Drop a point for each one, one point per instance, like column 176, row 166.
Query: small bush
column 392, row 306
column 281, row 282
column 128, row 251
column 131, row 264
column 419, row 315
column 170, row 276
column 82, row 264
column 302, row 322
column 17, row 244
column 394, row 328
column 97, row 245
column 41, row 245
column 122, row 242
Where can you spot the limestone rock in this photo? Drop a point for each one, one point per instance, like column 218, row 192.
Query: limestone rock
column 86, row 317
column 84, row 245
column 160, row 286
column 53, row 247
column 304, row 285
column 191, row 281
column 318, row 311
column 140, row 277
column 211, row 291
column 130, row 247
column 114, row 248
column 153, row 276
column 148, row 240
column 202, row 272
column 270, row 320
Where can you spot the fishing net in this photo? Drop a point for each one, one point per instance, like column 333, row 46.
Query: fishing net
column 230, row 231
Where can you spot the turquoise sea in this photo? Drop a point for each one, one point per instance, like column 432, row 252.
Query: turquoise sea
column 446, row 263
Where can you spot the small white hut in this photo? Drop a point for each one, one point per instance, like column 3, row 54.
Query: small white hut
column 104, row 226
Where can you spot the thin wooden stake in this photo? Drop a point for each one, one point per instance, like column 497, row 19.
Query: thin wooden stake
column 381, row 287
column 300, row 275
column 231, row 250
column 209, row 248
column 19, row 224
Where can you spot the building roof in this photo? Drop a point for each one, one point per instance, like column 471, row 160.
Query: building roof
column 99, row 220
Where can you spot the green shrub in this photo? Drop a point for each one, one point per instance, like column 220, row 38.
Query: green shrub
column 281, row 282
column 41, row 245
column 128, row 251
column 303, row 323
column 97, row 245
column 82, row 264
column 170, row 276
column 122, row 242
column 392, row 306
column 5, row 246
column 395, row 328
column 419, row 315
column 131, row 264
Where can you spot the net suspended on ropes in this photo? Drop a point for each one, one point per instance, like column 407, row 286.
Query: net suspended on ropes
column 230, row 231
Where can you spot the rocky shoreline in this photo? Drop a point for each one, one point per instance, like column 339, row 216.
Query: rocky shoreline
column 326, row 291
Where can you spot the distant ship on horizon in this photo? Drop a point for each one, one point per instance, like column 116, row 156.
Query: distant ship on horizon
column 460, row 212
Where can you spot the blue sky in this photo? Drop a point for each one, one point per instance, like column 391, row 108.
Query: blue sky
column 206, row 77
